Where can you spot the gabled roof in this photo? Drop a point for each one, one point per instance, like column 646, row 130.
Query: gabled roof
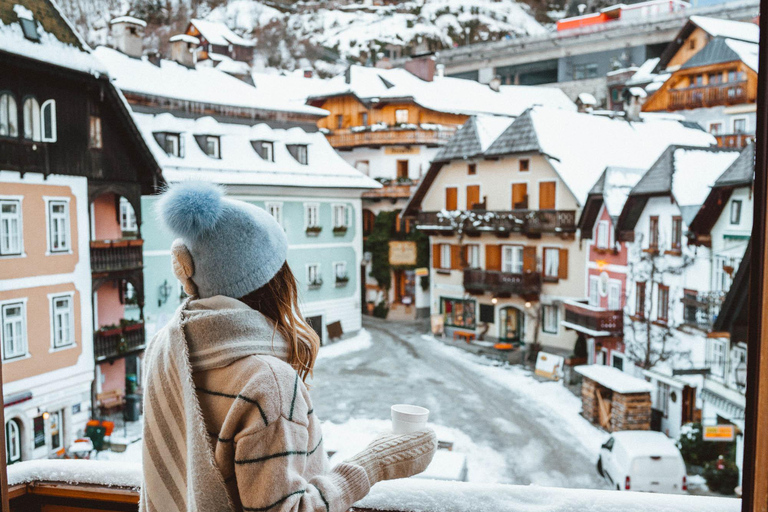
column 474, row 137
column 520, row 137
column 219, row 34
column 742, row 170
column 611, row 190
column 721, row 50
column 59, row 44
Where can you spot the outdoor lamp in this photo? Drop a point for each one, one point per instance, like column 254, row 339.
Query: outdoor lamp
column 741, row 374
column 163, row 293
column 494, row 300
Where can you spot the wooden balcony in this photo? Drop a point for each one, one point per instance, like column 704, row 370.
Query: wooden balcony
column 118, row 342
column 733, row 93
column 501, row 223
column 734, row 140
column 94, row 486
column 346, row 139
column 593, row 321
column 502, row 284
column 701, row 311
column 23, row 155
column 116, row 255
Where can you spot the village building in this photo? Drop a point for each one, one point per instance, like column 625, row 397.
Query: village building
column 665, row 332
column 505, row 258
column 72, row 170
column 219, row 43
column 390, row 124
column 713, row 78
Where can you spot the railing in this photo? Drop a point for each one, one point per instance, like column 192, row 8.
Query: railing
column 101, row 485
column 23, row 155
column 117, row 342
column 733, row 93
column 389, row 136
column 700, row 312
column 734, row 140
column 500, row 222
column 502, row 283
column 116, row 255
column 582, row 317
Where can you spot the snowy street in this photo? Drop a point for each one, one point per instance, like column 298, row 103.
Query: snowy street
column 509, row 436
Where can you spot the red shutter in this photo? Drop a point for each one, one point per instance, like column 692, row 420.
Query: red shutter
column 492, row 257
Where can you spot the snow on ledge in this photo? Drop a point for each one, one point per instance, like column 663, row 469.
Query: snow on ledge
column 410, row 495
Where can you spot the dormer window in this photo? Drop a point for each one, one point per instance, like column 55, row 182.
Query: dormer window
column 299, row 152
column 27, row 22
column 170, row 142
column 265, row 149
column 210, row 144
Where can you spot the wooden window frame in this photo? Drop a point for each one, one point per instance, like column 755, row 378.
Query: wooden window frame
column 524, row 165
column 676, row 245
column 471, row 169
column 659, row 289
column 640, row 304
column 653, row 233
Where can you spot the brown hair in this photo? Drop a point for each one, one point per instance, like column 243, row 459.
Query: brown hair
column 278, row 300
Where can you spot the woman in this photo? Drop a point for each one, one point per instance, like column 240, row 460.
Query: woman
column 228, row 422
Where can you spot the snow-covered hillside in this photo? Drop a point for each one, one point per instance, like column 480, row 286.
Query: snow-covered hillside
column 292, row 35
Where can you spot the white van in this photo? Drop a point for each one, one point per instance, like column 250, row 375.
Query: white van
column 640, row 460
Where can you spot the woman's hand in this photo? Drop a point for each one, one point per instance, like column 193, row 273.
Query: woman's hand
column 393, row 456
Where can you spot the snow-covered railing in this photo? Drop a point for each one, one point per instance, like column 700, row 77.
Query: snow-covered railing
column 99, row 485
column 341, row 139
column 595, row 321
column 503, row 222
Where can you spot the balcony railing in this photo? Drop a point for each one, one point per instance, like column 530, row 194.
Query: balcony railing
column 502, row 223
column 340, row 139
column 118, row 342
column 116, row 255
column 593, row 321
column 502, row 283
column 734, row 140
column 701, row 311
column 733, row 93
column 101, row 485
column 23, row 155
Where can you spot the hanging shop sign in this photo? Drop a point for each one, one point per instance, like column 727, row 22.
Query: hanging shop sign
column 402, row 253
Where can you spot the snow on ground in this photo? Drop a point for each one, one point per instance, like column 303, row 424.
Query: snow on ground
column 551, row 398
column 360, row 341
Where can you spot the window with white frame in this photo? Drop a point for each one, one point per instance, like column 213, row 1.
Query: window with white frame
column 94, row 132
column 401, row 116
column 594, row 291
column 127, row 217
column 13, row 441
column 603, row 235
column 58, row 226
column 512, row 259
column 340, row 270
column 551, row 262
column 14, row 333
column 10, row 227
column 614, row 295
column 173, row 144
column 473, row 256
column 735, row 212
column 276, row 211
column 662, row 398
column 313, row 274
column 48, row 121
column 551, row 318
column 445, row 256
column 54, row 425
column 740, row 125
column 340, row 216
column 719, row 354
column 63, row 321
column 212, row 146
column 716, row 128
column 9, row 117
column 31, row 113
column 617, row 360
column 311, row 215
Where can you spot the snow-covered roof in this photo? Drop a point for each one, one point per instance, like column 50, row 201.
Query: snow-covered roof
column 291, row 86
column 747, row 52
column 614, row 379
column 207, row 85
column 618, row 182
column 240, row 164
column 59, row 44
column 442, row 94
column 566, row 137
column 244, row 15
column 741, row 30
column 184, row 37
column 720, row 50
column 219, row 34
column 645, row 443
column 129, row 19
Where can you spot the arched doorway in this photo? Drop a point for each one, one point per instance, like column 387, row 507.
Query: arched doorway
column 13, row 441
column 511, row 322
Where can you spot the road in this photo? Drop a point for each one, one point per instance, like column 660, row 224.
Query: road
column 531, row 448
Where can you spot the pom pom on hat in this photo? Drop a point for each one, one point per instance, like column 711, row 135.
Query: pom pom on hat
column 190, row 209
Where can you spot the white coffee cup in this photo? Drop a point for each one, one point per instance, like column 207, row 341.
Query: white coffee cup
column 408, row 418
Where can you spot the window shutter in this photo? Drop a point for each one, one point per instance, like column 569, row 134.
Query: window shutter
column 529, row 259
column 563, row 270
column 435, row 255
column 455, row 257
column 182, row 145
column 451, row 198
column 492, row 257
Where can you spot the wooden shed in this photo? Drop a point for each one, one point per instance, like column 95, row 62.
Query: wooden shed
column 615, row 400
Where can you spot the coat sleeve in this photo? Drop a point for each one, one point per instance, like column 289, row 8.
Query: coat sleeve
column 271, row 472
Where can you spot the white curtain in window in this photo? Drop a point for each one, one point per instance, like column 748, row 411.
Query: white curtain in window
column 31, row 119
column 9, row 118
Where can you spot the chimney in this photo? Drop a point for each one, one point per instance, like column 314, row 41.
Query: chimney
column 440, row 70
column 128, row 35
column 585, row 102
column 309, row 73
column 495, row 83
column 184, row 49
column 633, row 101
column 422, row 67
column 154, row 57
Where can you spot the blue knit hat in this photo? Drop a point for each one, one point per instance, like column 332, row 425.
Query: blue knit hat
column 235, row 247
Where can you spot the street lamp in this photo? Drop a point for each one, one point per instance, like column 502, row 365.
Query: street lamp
column 163, row 293
column 741, row 375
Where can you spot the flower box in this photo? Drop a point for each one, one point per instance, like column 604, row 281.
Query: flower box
column 342, row 281
column 340, row 230
column 314, row 285
column 313, row 230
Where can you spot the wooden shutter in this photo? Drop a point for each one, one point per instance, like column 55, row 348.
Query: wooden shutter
column 562, row 272
column 455, row 257
column 451, row 198
column 519, row 196
column 547, row 195
column 473, row 196
column 435, row 255
column 529, row 259
column 492, row 257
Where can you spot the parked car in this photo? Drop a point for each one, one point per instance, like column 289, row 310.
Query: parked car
column 635, row 460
